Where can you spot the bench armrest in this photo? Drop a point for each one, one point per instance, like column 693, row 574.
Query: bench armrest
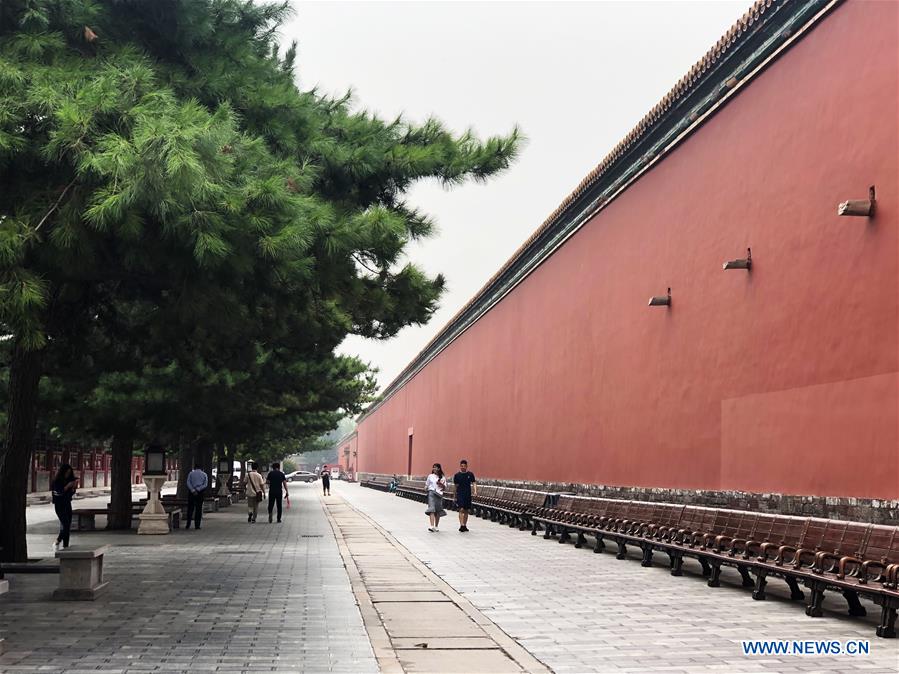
column 892, row 576
column 797, row 556
column 841, row 568
column 719, row 541
column 781, row 551
column 863, row 571
column 823, row 556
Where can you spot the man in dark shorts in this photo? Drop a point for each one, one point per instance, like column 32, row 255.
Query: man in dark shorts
column 277, row 482
column 465, row 488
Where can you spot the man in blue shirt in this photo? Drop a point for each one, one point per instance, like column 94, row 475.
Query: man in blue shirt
column 196, row 486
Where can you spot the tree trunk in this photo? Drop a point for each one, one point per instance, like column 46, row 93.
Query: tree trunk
column 186, row 464
column 204, row 451
column 221, row 478
column 15, row 453
column 120, row 496
column 229, row 457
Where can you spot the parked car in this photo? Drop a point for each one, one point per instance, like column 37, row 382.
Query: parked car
column 301, row 476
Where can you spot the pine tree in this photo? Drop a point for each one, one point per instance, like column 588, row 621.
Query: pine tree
column 168, row 190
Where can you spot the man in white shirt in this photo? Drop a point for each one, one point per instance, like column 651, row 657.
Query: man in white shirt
column 255, row 492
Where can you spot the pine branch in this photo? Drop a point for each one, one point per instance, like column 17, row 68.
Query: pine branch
column 56, row 205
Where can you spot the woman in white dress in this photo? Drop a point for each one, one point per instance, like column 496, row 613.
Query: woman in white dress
column 436, row 484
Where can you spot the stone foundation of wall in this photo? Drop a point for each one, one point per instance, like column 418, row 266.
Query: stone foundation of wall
column 877, row 511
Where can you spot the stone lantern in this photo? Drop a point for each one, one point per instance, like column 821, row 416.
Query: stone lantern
column 154, row 519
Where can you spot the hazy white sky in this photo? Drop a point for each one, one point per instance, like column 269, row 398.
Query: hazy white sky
column 575, row 76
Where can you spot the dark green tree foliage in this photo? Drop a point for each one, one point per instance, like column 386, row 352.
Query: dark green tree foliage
column 185, row 236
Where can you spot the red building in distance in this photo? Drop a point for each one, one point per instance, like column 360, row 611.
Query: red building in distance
column 783, row 378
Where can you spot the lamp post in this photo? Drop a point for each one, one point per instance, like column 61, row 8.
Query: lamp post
column 154, row 519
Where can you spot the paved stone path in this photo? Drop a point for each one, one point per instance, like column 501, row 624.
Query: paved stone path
column 235, row 597
column 418, row 623
column 232, row 597
column 582, row 612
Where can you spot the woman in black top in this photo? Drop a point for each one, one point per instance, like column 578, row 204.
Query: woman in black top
column 326, row 481
column 63, row 487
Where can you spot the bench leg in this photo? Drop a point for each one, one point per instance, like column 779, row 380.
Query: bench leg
column 550, row 531
column 855, row 606
column 759, row 592
column 676, row 563
column 795, row 592
column 535, row 528
column 706, row 568
column 581, row 539
column 564, row 536
column 814, row 609
column 600, row 545
column 622, row 551
column 647, row 556
column 715, row 576
column 747, row 579
column 524, row 523
column 887, row 627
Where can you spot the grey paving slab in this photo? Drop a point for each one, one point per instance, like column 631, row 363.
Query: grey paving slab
column 457, row 662
column 230, row 597
column 581, row 612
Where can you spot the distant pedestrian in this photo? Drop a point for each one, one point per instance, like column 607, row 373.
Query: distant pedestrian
column 197, row 481
column 436, row 483
column 277, row 489
column 63, row 489
column 326, row 481
column 255, row 492
column 465, row 489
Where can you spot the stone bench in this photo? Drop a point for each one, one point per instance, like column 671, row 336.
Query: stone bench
column 4, row 588
column 80, row 573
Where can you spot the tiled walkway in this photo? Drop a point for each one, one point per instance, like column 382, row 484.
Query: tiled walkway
column 235, row 597
column 581, row 612
column 232, row 597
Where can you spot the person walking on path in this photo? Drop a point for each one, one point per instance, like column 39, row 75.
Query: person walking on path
column 436, row 483
column 197, row 481
column 255, row 492
column 326, row 481
column 465, row 489
column 277, row 489
column 63, row 489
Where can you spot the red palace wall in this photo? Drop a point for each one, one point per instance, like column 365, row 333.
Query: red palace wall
column 779, row 380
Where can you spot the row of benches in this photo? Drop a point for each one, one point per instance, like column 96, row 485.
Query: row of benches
column 85, row 519
column 853, row 558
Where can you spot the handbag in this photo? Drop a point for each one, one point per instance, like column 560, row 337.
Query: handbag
column 258, row 497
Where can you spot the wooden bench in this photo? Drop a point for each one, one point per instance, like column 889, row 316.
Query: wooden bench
column 379, row 482
column 210, row 503
column 853, row 558
column 508, row 505
column 413, row 489
column 84, row 519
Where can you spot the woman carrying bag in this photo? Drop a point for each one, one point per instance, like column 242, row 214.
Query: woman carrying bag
column 255, row 493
